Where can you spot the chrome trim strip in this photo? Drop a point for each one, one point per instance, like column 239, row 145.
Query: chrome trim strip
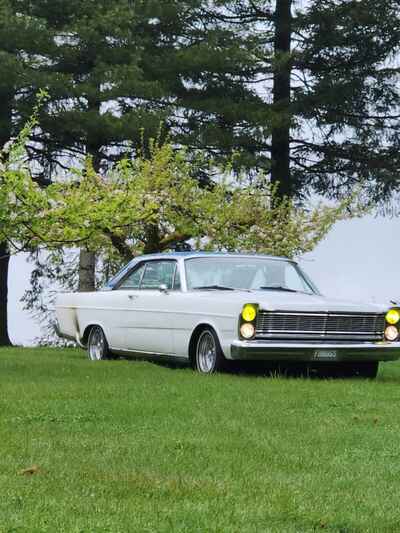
column 306, row 351
column 323, row 314
column 319, row 345
column 315, row 331
column 143, row 353
column 142, row 310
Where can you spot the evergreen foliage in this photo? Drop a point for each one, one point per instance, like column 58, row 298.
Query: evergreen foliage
column 330, row 74
column 308, row 92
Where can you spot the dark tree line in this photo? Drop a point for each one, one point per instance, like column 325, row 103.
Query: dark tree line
column 307, row 92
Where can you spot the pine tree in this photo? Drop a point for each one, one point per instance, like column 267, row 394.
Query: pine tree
column 89, row 70
column 116, row 71
column 332, row 89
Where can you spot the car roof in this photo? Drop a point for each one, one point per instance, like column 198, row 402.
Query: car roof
column 190, row 255
column 184, row 255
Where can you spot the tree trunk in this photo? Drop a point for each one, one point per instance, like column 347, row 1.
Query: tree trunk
column 280, row 151
column 152, row 244
column 87, row 262
column 6, row 102
column 4, row 264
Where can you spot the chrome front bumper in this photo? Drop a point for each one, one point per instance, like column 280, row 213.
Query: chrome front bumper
column 311, row 351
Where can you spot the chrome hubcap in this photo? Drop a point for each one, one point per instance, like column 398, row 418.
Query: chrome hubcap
column 96, row 346
column 206, row 352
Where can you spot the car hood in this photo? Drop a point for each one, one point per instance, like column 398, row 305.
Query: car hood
column 286, row 301
column 295, row 301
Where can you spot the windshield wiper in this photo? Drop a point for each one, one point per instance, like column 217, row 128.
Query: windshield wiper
column 277, row 288
column 222, row 288
column 215, row 287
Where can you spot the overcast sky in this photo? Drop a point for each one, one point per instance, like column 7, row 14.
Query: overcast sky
column 358, row 260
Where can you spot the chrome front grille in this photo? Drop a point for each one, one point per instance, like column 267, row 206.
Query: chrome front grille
column 329, row 326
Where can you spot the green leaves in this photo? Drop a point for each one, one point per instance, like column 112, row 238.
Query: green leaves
column 150, row 204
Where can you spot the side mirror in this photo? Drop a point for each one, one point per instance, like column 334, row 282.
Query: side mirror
column 163, row 288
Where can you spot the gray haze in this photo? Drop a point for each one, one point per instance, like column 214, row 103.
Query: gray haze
column 358, row 260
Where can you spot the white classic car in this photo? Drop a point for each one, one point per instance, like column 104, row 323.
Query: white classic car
column 209, row 308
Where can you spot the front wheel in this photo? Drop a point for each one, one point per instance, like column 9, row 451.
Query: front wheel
column 209, row 356
column 97, row 346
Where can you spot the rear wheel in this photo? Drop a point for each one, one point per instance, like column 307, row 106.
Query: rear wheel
column 97, row 345
column 208, row 356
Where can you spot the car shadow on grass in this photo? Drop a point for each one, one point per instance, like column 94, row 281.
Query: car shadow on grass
column 311, row 370
column 265, row 369
column 282, row 370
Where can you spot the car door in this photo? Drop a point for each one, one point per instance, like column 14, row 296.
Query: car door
column 119, row 306
column 149, row 294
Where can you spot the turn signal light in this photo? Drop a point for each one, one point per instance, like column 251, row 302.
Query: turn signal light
column 392, row 316
column 249, row 312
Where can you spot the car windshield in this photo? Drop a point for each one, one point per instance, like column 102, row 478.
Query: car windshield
column 222, row 273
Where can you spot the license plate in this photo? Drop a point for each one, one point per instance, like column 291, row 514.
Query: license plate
column 325, row 354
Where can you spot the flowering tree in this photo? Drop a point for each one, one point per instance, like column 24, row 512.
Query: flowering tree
column 151, row 204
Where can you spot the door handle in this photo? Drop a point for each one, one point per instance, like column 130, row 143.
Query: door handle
column 132, row 296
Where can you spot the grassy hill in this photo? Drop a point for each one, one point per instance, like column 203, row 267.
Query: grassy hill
column 133, row 446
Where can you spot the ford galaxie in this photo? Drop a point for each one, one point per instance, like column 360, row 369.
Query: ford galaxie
column 209, row 308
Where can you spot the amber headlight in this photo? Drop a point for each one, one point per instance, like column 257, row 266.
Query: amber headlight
column 247, row 331
column 392, row 316
column 391, row 333
column 249, row 312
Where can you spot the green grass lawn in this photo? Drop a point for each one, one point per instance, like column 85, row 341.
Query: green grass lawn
column 133, row 446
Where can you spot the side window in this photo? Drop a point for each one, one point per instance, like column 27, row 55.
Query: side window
column 132, row 281
column 158, row 273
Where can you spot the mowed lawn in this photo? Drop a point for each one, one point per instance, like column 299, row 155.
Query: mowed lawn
column 125, row 446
